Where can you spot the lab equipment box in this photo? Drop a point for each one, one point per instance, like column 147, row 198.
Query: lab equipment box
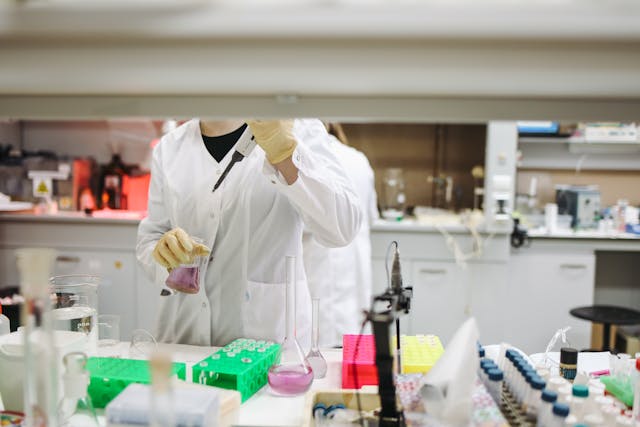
column 242, row 365
column 109, row 376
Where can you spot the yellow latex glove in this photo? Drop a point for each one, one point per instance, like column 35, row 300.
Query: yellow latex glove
column 275, row 137
column 176, row 247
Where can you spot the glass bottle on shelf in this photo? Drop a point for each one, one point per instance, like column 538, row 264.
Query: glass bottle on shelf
column 315, row 358
column 76, row 409
column 293, row 375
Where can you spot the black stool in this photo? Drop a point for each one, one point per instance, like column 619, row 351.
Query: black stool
column 607, row 315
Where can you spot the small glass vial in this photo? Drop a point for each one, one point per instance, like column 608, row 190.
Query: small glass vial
column 547, row 399
column 559, row 414
column 494, row 385
column 568, row 363
column 556, row 383
column 564, row 394
column 579, row 396
column 533, row 397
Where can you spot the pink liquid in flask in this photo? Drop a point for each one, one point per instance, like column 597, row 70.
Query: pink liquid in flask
column 290, row 380
column 184, row 279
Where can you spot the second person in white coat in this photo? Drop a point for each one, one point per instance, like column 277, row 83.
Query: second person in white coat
column 250, row 223
column 341, row 277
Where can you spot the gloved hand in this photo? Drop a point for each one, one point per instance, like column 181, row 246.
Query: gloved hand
column 176, row 247
column 275, row 137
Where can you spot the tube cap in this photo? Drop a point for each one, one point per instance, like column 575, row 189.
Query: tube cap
column 481, row 352
column 495, row 374
column 568, row 355
column 580, row 390
column 638, row 364
column 549, row 395
column 560, row 409
column 537, row 383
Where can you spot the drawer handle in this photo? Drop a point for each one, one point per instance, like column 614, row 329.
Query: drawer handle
column 67, row 258
column 574, row 266
column 433, row 271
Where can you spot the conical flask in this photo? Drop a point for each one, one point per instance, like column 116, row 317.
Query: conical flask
column 293, row 375
column 315, row 358
column 76, row 409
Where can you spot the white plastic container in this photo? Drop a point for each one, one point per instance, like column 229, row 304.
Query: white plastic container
column 12, row 364
column 193, row 406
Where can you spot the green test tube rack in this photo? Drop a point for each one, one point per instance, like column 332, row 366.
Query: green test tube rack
column 109, row 376
column 242, row 365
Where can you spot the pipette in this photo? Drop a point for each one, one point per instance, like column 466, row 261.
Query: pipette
column 243, row 149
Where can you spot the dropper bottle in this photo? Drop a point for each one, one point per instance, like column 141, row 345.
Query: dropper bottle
column 76, row 409
column 40, row 355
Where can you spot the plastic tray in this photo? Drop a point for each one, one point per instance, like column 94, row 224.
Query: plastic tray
column 242, row 365
column 109, row 376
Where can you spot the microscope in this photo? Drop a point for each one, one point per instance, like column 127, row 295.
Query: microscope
column 393, row 303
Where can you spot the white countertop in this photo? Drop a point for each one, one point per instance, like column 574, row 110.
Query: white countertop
column 410, row 225
column 97, row 217
column 581, row 234
column 263, row 408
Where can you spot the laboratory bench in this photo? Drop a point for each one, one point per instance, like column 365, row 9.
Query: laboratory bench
column 506, row 289
column 263, row 408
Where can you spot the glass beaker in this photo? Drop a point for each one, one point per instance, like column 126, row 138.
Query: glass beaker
column 315, row 358
column 186, row 277
column 293, row 375
column 393, row 201
column 74, row 300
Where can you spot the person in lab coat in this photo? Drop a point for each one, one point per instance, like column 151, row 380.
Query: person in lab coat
column 341, row 277
column 250, row 223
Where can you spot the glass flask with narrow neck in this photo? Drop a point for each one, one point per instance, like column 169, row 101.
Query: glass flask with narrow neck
column 293, row 375
column 315, row 358
column 76, row 409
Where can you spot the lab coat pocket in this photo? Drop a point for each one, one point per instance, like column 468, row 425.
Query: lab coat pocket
column 263, row 313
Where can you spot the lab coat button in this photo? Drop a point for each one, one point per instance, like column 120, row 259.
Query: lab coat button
column 247, row 296
column 218, row 172
column 212, row 215
column 273, row 181
column 298, row 157
column 204, row 305
column 210, row 258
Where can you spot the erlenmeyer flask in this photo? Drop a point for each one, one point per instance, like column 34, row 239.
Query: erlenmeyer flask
column 293, row 375
column 315, row 358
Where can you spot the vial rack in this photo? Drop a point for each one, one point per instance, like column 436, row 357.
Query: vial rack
column 242, row 365
column 419, row 354
column 109, row 376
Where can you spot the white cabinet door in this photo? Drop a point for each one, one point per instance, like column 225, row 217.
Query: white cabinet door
column 439, row 299
column 116, row 293
column 542, row 288
column 487, row 284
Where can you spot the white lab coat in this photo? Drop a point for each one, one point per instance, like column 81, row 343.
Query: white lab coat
column 341, row 277
column 251, row 222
